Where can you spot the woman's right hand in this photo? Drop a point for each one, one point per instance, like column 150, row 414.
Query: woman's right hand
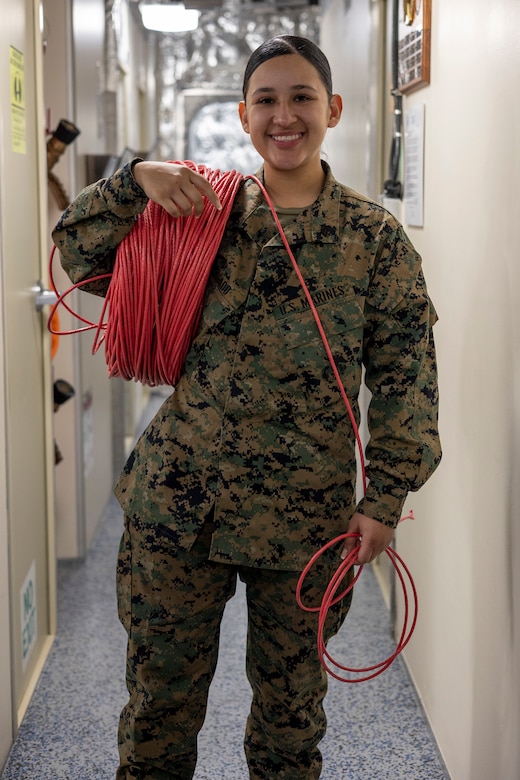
column 175, row 187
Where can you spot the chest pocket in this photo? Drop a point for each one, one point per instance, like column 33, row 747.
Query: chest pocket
column 343, row 322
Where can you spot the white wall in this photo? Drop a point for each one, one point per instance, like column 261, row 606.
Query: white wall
column 464, row 547
column 352, row 36
column 471, row 588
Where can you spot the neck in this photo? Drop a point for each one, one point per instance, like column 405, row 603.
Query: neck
column 292, row 189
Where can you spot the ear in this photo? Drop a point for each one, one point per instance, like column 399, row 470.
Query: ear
column 336, row 107
column 242, row 112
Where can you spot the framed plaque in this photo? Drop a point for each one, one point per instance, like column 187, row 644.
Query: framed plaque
column 414, row 38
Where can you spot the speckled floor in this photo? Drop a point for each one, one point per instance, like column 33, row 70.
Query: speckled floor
column 377, row 730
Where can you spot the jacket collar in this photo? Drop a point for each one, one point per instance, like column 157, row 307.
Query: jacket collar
column 320, row 221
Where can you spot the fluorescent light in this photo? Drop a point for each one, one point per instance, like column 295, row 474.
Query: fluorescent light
column 173, row 17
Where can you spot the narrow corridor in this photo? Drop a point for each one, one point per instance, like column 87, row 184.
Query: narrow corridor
column 70, row 729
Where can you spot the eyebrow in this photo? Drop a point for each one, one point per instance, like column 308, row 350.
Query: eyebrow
column 295, row 87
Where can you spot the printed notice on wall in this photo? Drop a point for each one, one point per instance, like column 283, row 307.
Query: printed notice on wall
column 414, row 166
column 28, row 608
column 17, row 75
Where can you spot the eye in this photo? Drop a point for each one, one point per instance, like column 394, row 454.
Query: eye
column 302, row 98
column 265, row 101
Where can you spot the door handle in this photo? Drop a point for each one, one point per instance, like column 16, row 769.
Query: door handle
column 43, row 297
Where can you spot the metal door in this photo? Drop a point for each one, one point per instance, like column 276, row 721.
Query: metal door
column 26, row 349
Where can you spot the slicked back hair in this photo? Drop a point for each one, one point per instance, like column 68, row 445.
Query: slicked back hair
column 289, row 44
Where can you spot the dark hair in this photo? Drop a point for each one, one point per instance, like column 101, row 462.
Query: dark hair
column 289, row 44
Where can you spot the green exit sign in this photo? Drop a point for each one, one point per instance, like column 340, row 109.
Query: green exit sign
column 29, row 616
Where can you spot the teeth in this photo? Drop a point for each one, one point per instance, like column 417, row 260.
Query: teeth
column 286, row 137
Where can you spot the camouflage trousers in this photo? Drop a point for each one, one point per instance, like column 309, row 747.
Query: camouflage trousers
column 171, row 604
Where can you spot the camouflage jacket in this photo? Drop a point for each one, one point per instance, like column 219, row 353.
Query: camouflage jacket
column 256, row 430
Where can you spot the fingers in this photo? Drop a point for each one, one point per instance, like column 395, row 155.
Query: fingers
column 373, row 538
column 177, row 188
column 188, row 195
column 368, row 551
column 349, row 545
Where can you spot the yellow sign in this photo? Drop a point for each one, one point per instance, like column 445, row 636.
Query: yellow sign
column 18, row 128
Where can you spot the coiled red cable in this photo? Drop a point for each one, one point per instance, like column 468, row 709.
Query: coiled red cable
column 158, row 314
column 154, row 300
column 154, row 303
column 330, row 598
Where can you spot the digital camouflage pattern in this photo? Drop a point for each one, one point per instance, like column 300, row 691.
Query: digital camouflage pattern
column 171, row 604
column 256, row 430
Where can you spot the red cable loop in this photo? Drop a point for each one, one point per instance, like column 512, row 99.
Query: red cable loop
column 163, row 266
column 330, row 598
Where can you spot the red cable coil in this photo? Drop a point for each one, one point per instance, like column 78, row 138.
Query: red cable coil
column 158, row 315
column 330, row 598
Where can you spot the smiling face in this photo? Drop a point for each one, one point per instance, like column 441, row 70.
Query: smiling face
column 286, row 112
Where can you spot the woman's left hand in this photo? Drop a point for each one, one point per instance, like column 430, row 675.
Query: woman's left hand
column 374, row 538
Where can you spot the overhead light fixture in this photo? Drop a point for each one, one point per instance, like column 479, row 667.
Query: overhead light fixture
column 171, row 17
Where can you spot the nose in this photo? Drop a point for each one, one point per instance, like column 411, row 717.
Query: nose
column 284, row 113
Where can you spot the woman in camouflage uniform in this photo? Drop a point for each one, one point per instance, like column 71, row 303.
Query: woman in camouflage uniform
column 249, row 467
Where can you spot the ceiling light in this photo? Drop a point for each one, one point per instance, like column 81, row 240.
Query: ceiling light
column 174, row 17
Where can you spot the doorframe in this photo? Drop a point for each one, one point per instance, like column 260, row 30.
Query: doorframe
column 7, row 715
column 47, row 366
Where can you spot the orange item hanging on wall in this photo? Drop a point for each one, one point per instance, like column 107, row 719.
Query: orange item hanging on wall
column 54, row 327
